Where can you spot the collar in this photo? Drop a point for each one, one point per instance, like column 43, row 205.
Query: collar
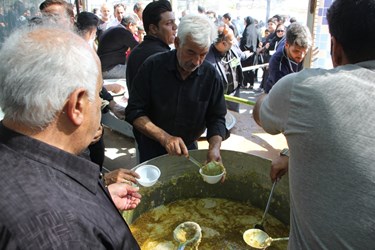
column 367, row 64
column 149, row 38
column 83, row 171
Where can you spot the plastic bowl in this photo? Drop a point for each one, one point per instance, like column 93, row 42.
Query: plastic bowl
column 149, row 175
column 211, row 179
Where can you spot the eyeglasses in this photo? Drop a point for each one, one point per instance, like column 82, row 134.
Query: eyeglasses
column 280, row 31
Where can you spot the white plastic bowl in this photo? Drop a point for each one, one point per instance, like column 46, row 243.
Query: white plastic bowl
column 211, row 179
column 149, row 175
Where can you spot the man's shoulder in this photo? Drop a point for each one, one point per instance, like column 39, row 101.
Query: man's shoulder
column 211, row 55
column 159, row 57
column 147, row 49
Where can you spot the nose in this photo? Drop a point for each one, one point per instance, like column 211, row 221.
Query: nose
column 197, row 60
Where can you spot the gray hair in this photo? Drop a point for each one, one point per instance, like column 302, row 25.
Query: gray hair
column 125, row 21
column 197, row 27
column 298, row 34
column 40, row 67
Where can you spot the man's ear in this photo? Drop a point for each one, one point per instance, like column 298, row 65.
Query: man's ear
column 177, row 42
column 76, row 105
column 153, row 29
column 337, row 55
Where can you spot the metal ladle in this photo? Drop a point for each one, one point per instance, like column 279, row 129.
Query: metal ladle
column 194, row 161
column 260, row 225
column 257, row 238
column 188, row 232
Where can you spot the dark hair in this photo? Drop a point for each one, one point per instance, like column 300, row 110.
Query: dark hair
column 249, row 20
column 272, row 20
column 68, row 7
column 137, row 6
column 201, row 9
column 352, row 24
column 118, row 5
column 227, row 16
column 152, row 12
column 86, row 21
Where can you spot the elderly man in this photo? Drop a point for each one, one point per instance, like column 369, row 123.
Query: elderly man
column 113, row 46
column 226, row 57
column 290, row 55
column 328, row 120
column 161, row 29
column 178, row 94
column 51, row 198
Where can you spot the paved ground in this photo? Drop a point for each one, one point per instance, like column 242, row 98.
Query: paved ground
column 246, row 136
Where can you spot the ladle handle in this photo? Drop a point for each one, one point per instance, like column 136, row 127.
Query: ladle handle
column 268, row 202
column 195, row 161
column 278, row 239
column 182, row 246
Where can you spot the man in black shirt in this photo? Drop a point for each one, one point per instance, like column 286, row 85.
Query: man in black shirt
column 161, row 29
column 50, row 197
column 112, row 48
column 226, row 57
column 178, row 95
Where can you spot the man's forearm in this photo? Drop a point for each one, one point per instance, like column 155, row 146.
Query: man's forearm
column 148, row 128
column 215, row 142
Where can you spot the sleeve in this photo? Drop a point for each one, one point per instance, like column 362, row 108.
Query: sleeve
column 106, row 95
column 274, row 111
column 215, row 118
column 139, row 95
column 277, row 70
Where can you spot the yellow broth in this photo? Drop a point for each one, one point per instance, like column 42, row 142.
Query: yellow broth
column 223, row 223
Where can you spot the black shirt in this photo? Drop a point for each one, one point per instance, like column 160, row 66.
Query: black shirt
column 182, row 108
column 51, row 199
column 150, row 46
column 113, row 45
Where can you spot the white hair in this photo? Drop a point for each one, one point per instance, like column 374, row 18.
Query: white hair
column 40, row 67
column 197, row 27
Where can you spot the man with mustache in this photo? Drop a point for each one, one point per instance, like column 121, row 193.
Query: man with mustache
column 159, row 24
column 289, row 57
column 176, row 95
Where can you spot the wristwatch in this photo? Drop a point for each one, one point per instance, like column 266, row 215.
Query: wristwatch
column 284, row 152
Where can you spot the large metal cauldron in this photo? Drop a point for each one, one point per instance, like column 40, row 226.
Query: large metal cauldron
column 247, row 180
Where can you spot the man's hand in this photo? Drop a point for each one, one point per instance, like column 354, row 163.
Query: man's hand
column 120, row 175
column 98, row 135
column 279, row 167
column 114, row 87
column 124, row 196
column 213, row 153
column 175, row 146
column 117, row 110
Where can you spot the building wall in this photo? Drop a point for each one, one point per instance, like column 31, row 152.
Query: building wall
column 322, row 38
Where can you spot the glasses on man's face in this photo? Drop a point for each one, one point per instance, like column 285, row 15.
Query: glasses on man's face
column 280, row 31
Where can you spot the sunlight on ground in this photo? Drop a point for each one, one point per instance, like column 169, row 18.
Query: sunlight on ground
column 113, row 153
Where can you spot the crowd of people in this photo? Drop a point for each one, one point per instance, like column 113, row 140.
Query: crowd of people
column 53, row 192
